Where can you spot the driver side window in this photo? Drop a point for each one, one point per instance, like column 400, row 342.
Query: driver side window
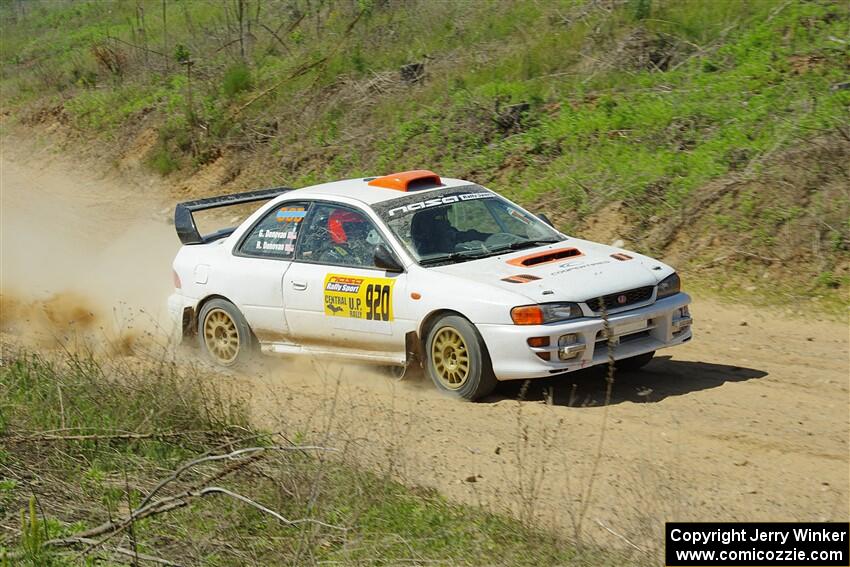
column 339, row 236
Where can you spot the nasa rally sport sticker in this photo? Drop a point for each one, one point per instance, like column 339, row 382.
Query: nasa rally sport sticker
column 356, row 297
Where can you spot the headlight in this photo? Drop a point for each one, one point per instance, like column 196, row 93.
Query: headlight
column 670, row 285
column 545, row 313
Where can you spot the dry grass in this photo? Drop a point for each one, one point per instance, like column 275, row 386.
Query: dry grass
column 144, row 461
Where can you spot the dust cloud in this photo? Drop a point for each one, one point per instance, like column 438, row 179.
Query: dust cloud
column 86, row 258
column 81, row 255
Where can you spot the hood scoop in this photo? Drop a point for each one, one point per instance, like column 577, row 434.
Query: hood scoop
column 545, row 257
column 520, row 278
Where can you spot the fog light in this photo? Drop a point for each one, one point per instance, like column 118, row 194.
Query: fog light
column 538, row 342
column 569, row 347
column 544, row 355
column 683, row 321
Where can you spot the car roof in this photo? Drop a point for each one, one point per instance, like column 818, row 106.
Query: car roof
column 360, row 190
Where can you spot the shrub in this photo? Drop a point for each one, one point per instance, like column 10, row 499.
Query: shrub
column 642, row 9
column 237, row 79
column 162, row 161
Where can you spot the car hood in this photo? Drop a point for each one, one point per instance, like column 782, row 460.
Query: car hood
column 572, row 270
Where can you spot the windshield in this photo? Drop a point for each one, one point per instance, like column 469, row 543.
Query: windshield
column 462, row 223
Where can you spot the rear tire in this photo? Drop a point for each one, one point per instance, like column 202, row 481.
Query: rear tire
column 224, row 334
column 635, row 363
column 457, row 359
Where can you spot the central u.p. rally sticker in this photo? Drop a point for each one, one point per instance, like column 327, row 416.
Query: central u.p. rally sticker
column 357, row 297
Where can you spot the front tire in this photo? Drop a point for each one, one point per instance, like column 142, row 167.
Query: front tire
column 634, row 363
column 224, row 334
column 457, row 359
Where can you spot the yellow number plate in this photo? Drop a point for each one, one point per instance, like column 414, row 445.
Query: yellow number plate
column 357, row 297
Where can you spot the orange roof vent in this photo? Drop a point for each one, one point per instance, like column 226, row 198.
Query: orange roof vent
column 408, row 180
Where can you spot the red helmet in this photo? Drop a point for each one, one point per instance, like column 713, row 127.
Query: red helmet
column 337, row 224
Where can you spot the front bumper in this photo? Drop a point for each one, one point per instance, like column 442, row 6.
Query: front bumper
column 663, row 324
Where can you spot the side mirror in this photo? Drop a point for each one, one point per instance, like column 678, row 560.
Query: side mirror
column 544, row 218
column 385, row 260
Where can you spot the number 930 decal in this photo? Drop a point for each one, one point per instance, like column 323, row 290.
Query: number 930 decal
column 356, row 297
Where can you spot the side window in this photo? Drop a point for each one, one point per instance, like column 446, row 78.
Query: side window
column 275, row 235
column 340, row 236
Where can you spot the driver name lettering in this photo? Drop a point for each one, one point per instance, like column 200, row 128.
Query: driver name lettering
column 265, row 233
column 280, row 247
column 436, row 202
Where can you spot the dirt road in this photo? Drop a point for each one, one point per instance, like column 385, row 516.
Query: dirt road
column 749, row 421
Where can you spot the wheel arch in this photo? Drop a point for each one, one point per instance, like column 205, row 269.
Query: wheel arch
column 196, row 316
column 247, row 340
column 428, row 322
column 485, row 381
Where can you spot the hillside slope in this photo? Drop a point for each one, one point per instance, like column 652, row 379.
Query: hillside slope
column 716, row 134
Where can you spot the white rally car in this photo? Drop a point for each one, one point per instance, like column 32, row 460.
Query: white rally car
column 411, row 268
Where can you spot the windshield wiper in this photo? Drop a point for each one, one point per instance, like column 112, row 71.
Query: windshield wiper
column 478, row 254
column 455, row 257
column 524, row 244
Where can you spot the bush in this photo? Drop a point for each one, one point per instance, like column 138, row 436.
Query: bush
column 162, row 161
column 237, row 79
column 641, row 9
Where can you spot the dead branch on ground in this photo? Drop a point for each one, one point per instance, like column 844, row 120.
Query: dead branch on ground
column 97, row 536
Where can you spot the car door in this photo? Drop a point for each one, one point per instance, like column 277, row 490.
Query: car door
column 257, row 267
column 335, row 296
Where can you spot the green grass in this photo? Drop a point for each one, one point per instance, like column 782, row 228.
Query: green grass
column 644, row 104
column 54, row 488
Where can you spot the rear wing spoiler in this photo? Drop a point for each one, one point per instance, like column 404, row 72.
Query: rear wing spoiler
column 184, row 222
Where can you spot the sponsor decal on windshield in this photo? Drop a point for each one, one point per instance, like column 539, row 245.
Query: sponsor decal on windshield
column 411, row 204
column 355, row 297
column 519, row 216
column 438, row 201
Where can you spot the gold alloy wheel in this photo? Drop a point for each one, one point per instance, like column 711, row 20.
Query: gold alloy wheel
column 221, row 336
column 450, row 358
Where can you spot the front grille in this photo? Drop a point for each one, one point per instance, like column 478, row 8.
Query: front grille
column 615, row 300
column 602, row 341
